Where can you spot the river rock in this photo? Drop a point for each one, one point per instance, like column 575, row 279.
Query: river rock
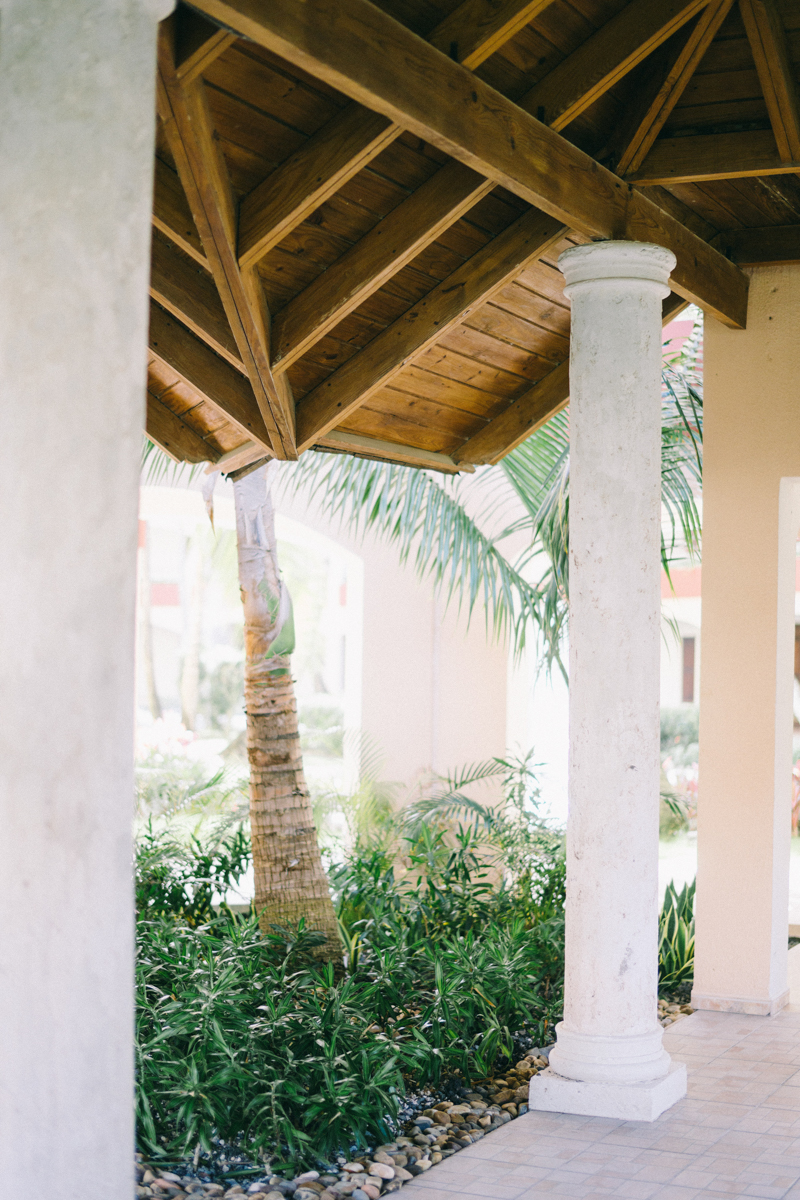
column 381, row 1170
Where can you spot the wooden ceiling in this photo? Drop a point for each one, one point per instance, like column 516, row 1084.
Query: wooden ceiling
column 359, row 206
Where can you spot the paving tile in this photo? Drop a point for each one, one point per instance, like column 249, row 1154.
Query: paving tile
column 736, row 1135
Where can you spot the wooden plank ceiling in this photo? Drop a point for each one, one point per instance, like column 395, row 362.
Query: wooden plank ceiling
column 359, row 206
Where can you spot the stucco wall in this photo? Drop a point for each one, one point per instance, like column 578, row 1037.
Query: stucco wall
column 752, row 441
column 433, row 691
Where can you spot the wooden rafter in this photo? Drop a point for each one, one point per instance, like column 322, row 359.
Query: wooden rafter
column 665, row 92
column 186, row 290
column 353, row 138
column 778, row 244
column 342, row 441
column 205, row 373
column 355, row 47
column 380, row 254
column 767, row 39
column 174, row 436
column 411, row 334
column 172, row 215
column 477, row 28
column 711, row 156
column 532, row 409
column 197, row 44
column 605, row 58
column 184, row 111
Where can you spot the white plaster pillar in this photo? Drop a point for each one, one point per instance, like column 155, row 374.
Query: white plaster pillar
column 608, row 1060
column 77, row 99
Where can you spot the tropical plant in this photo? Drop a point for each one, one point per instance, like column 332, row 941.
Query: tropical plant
column 290, row 883
column 244, row 1040
column 676, row 937
column 443, row 523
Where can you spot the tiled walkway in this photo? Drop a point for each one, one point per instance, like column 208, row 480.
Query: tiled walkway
column 736, row 1134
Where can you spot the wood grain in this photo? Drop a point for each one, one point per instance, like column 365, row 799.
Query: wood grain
column 477, row 28
column 353, row 46
column 659, row 103
column 174, row 437
column 172, row 215
column 184, row 112
column 711, row 156
column 189, row 293
column 379, row 255
column 447, row 305
column 776, row 73
column 206, row 373
column 605, row 58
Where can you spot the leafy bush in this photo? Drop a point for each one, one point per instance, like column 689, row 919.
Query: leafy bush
column 676, row 937
column 179, row 880
column 244, row 1039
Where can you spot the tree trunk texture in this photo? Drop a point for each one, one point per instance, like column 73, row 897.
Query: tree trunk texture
column 289, row 880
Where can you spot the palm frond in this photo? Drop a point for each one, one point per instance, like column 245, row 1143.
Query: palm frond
column 428, row 521
column 158, row 467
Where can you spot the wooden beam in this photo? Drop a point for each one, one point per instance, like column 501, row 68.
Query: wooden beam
column 240, row 456
column 341, row 441
column 350, row 141
column 767, row 39
column 333, row 155
column 172, row 215
column 197, row 43
column 206, row 373
column 779, row 244
column 533, row 409
column 605, row 58
column 184, row 111
column 427, row 322
column 682, row 64
column 175, row 438
column 381, row 253
column 522, row 418
column 477, row 28
column 711, row 156
column 190, row 294
column 355, row 47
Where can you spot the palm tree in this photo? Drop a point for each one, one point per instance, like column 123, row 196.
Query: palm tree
column 290, row 883
column 430, row 517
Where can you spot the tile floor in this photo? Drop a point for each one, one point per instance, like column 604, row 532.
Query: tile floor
column 736, row 1134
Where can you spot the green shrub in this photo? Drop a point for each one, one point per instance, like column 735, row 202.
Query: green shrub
column 676, row 937
column 243, row 1039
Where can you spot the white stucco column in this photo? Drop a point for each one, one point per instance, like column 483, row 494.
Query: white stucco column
column 77, row 100
column 608, row 1060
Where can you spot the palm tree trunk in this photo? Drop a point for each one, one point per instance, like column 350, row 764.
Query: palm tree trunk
column 289, row 880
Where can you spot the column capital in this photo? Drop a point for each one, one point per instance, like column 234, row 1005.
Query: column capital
column 597, row 262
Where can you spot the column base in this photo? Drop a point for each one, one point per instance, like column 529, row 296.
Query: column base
column 624, row 1101
column 749, row 1005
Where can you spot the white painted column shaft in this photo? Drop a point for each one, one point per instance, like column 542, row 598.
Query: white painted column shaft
column 76, row 150
column 610, row 1033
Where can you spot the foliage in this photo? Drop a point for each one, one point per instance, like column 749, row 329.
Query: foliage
column 244, row 1039
column 321, row 729
column 432, row 519
column 676, row 937
column 179, row 880
column 170, row 783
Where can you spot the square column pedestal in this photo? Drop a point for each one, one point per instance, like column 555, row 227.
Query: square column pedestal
column 608, row 1059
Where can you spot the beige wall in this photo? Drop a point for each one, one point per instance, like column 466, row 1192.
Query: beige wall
column 752, row 442
column 433, row 692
